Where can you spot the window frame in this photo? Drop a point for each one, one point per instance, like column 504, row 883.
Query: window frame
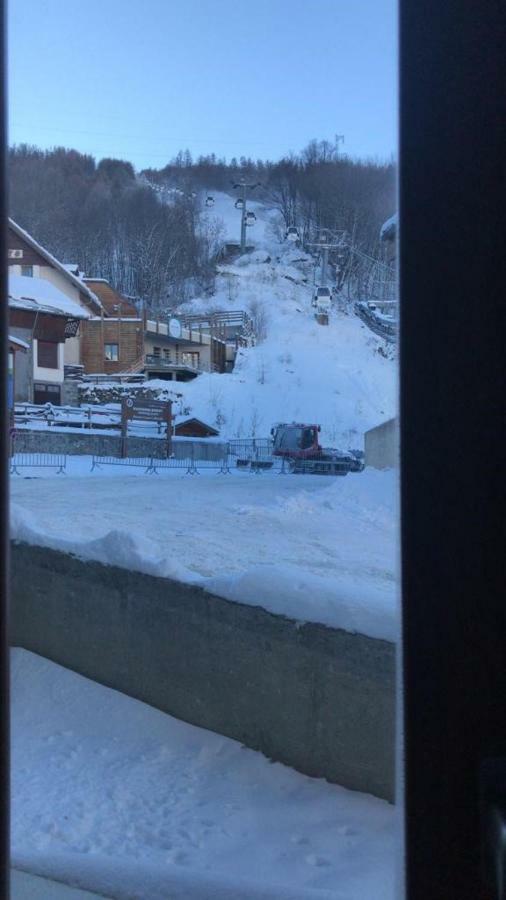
column 454, row 634
column 453, row 652
column 111, row 358
column 46, row 349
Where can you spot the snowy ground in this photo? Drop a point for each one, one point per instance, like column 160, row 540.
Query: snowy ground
column 140, row 805
column 315, row 548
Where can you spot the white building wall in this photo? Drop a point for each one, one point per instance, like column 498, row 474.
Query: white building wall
column 382, row 446
column 72, row 353
column 59, row 281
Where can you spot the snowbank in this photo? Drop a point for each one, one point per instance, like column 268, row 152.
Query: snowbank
column 315, row 549
column 118, row 797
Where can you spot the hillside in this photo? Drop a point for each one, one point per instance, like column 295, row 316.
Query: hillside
column 341, row 376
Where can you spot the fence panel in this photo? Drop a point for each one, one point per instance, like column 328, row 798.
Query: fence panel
column 193, row 464
column 145, row 462
column 56, row 461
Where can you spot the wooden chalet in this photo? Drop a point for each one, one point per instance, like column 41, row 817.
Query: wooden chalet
column 122, row 341
column 193, row 427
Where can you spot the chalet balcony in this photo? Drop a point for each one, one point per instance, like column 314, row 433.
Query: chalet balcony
column 184, row 365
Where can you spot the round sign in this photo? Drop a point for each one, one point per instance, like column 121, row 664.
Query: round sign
column 175, row 328
column 130, row 403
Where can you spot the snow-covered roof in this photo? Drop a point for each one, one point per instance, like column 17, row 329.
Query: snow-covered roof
column 42, row 295
column 55, row 262
column 389, row 228
column 73, row 268
column 18, row 342
column 183, row 420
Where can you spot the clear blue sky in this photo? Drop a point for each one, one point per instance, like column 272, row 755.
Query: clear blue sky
column 141, row 80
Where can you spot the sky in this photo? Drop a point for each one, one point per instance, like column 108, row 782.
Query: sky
column 260, row 78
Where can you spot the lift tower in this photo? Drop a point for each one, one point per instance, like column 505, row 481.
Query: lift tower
column 243, row 187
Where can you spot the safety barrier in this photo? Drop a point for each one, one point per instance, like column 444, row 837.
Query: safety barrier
column 56, row 461
column 193, row 465
column 189, row 463
column 138, row 461
column 387, row 330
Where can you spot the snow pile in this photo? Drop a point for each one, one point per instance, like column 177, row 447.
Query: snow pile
column 121, row 798
column 312, row 548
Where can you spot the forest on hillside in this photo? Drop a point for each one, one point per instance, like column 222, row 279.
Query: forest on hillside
column 143, row 230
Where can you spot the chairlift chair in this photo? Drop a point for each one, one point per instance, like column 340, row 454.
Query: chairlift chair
column 292, row 234
column 239, row 203
column 250, row 218
column 210, row 201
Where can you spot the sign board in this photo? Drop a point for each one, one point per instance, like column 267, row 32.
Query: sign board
column 146, row 410
column 71, row 327
column 142, row 409
column 175, row 328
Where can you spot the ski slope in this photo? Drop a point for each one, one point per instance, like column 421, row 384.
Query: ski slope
column 340, row 376
column 223, row 212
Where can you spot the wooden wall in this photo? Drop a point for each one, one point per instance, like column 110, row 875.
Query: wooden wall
column 96, row 333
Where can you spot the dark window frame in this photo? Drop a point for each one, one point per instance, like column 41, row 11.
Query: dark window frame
column 27, row 274
column 452, row 77
column 452, row 397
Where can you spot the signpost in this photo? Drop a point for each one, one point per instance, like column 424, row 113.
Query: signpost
column 145, row 410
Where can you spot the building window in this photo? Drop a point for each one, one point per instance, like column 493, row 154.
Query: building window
column 27, row 271
column 47, row 354
column 112, row 352
column 190, row 359
column 157, row 352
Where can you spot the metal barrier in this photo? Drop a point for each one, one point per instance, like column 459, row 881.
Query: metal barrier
column 152, row 465
column 387, row 330
column 138, row 461
column 243, row 451
column 193, row 465
column 56, row 461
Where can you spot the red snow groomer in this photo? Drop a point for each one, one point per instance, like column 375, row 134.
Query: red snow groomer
column 300, row 447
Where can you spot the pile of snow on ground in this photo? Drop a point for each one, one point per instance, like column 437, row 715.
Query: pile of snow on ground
column 121, row 798
column 313, row 548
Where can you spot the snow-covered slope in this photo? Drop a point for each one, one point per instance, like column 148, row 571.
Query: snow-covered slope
column 224, row 212
column 338, row 375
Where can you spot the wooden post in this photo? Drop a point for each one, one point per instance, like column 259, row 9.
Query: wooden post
column 124, row 429
column 169, row 429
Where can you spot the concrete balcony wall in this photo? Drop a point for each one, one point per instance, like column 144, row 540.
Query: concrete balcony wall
column 315, row 698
